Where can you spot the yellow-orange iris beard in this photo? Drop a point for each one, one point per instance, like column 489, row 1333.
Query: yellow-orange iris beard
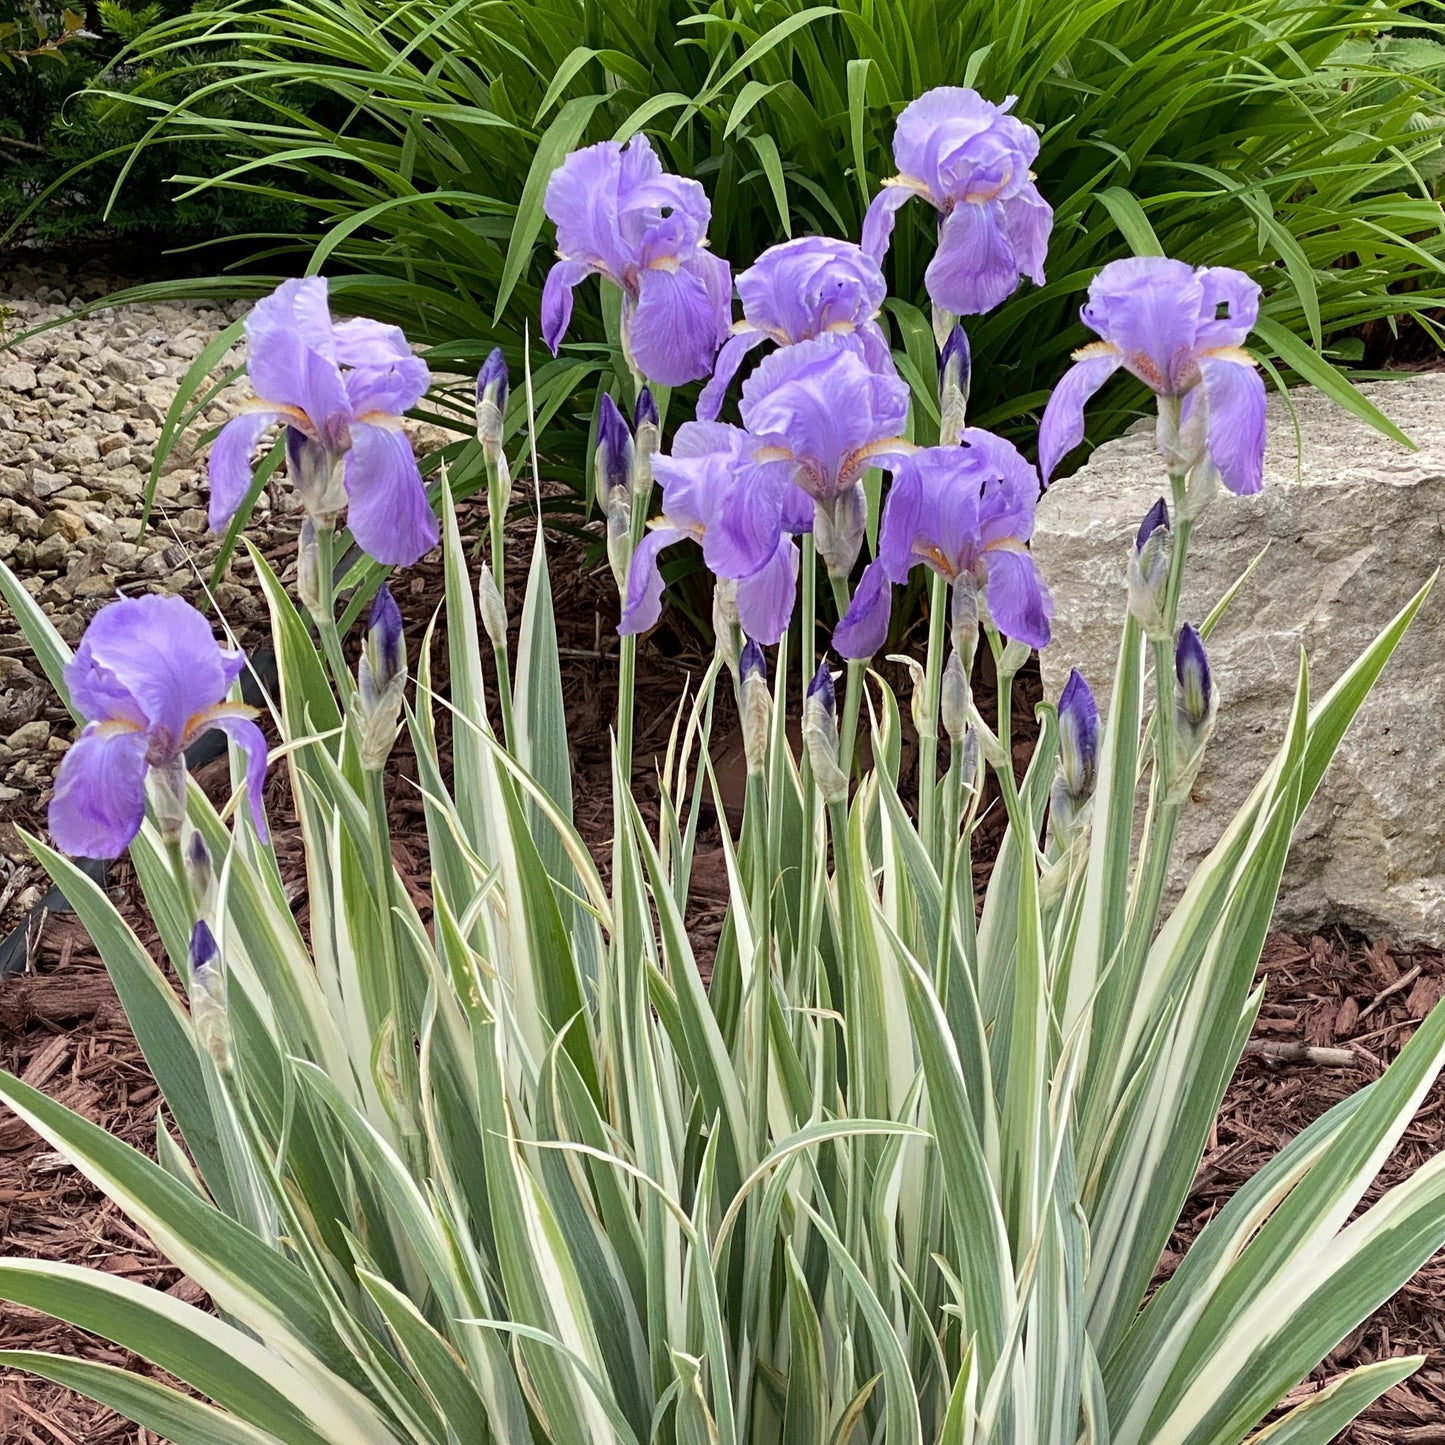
column 198, row 722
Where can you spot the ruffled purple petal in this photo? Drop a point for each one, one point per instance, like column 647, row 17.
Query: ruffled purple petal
column 643, row 603
column 1030, row 221
column 387, row 390
column 1148, row 306
column 150, row 660
column 1017, row 598
column 100, row 802
column 291, row 357
column 878, row 223
column 864, row 628
column 765, row 599
column 364, row 342
column 1234, row 393
column 387, row 511
column 237, row 724
column 230, row 469
column 581, row 200
column 1228, row 307
column 673, row 335
column 902, row 513
column 734, row 349
column 974, row 267
column 557, row 300
column 1062, row 427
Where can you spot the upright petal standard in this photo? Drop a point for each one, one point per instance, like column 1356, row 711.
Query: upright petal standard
column 969, row 159
column 148, row 678
column 814, row 286
column 340, row 389
column 967, row 513
column 1180, row 331
column 619, row 215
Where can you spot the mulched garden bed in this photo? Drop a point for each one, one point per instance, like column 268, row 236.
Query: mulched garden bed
column 61, row 1028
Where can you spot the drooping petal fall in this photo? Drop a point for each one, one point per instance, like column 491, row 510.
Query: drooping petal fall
column 99, row 802
column 388, row 511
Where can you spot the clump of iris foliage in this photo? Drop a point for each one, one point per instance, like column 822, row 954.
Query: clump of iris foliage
column 64, row 140
column 1297, row 142
column 903, row 1172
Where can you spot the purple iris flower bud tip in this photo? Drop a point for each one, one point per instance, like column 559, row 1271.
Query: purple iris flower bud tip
column 1191, row 667
column 1155, row 518
column 956, row 360
column 1079, row 735
column 821, row 689
column 645, row 412
column 612, row 463
column 384, row 624
column 752, row 663
column 204, row 952
column 493, row 379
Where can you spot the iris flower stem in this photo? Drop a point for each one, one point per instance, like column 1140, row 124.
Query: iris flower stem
column 807, row 664
column 928, row 731
column 852, row 688
column 325, row 615
column 953, row 847
column 757, row 808
column 496, row 525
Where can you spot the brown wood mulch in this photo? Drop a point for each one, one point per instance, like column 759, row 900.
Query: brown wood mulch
column 61, row 1029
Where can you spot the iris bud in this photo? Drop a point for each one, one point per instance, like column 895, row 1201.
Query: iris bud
column 612, row 461
column 208, row 997
column 492, row 403
column 1073, row 789
column 1149, row 571
column 380, row 680
column 1196, row 702
column 492, row 607
column 756, row 705
column 725, row 621
column 955, row 375
column 200, row 873
column 955, row 698
column 820, row 736
column 647, row 427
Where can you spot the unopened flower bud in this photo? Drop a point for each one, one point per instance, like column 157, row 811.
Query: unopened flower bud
column 380, row 680
column 1073, row 788
column 317, row 476
column 923, row 725
column 619, row 537
column 1015, row 654
column 955, row 698
column 492, row 403
column 1196, row 703
column 308, row 568
column 612, row 461
column 943, row 324
column 963, row 620
column 955, row 377
column 820, row 736
column 838, row 528
column 492, row 607
column 1149, row 571
column 756, row 704
column 647, row 428
column 208, row 997
column 200, row 873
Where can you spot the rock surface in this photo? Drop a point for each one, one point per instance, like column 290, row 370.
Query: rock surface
column 1355, row 524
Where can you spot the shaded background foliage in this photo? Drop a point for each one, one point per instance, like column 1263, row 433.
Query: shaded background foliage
column 1295, row 139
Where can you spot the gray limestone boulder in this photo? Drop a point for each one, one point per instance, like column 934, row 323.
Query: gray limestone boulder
column 1355, row 524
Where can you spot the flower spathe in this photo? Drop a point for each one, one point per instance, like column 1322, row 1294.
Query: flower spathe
column 969, row 159
column 719, row 493
column 966, row 512
column 148, row 678
column 620, row 215
column 341, row 388
column 813, row 286
column 1179, row 330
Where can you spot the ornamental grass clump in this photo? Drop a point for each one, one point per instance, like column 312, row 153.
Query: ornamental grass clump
column 903, row 1171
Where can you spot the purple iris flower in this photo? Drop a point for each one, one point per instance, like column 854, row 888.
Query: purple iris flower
column 717, row 491
column 967, row 512
column 1179, row 330
column 618, row 213
column 148, row 678
column 341, row 389
column 969, row 159
column 814, row 286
